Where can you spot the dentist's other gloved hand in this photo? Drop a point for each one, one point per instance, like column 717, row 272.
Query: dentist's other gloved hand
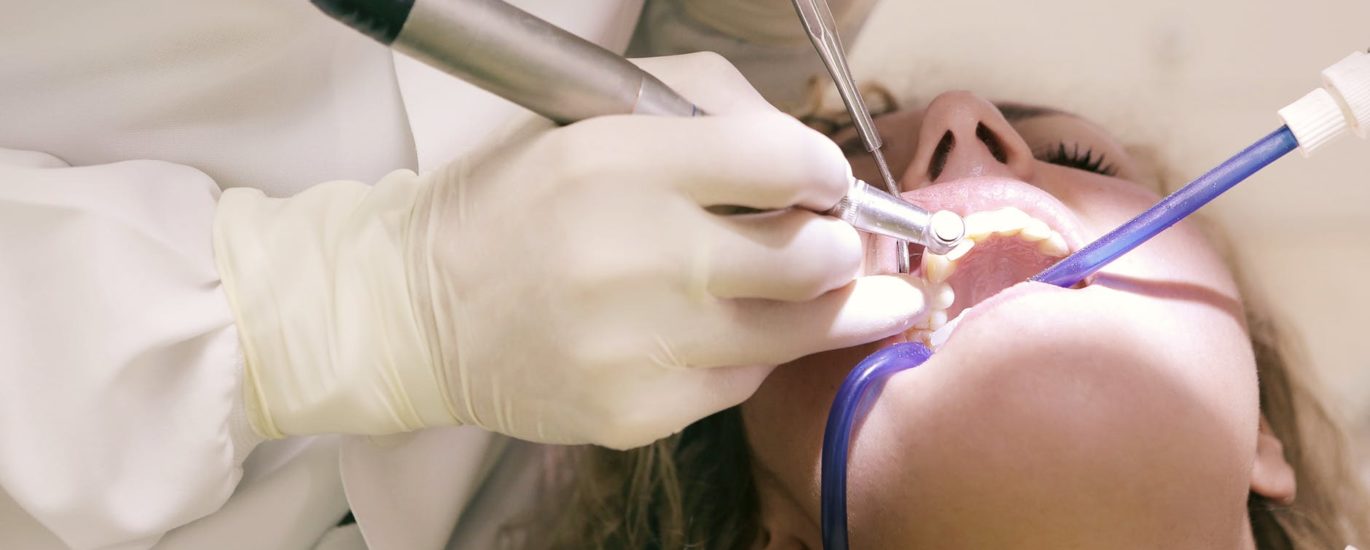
column 568, row 286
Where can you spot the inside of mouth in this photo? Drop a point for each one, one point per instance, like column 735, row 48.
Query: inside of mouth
column 994, row 265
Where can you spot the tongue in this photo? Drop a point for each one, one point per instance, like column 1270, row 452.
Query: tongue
column 992, row 266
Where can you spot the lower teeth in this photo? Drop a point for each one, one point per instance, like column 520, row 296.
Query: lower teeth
column 936, row 338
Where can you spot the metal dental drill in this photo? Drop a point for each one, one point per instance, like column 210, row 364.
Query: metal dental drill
column 561, row 76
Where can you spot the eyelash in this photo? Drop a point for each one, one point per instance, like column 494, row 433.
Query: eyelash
column 1058, row 154
column 1073, row 157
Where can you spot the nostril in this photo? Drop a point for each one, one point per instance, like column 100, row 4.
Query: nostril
column 996, row 148
column 940, row 154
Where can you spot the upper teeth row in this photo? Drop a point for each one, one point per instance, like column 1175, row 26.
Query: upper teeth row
column 980, row 226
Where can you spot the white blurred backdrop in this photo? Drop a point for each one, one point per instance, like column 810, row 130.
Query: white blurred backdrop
column 1200, row 80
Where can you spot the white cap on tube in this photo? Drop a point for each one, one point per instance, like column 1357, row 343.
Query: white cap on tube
column 1349, row 82
column 1315, row 119
column 1326, row 113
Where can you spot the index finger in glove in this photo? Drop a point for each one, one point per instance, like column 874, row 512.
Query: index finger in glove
column 763, row 161
column 791, row 255
column 708, row 80
column 775, row 332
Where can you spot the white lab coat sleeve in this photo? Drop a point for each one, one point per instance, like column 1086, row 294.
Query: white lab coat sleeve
column 763, row 38
column 120, row 377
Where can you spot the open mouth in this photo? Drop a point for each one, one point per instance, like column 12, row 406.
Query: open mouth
column 1013, row 231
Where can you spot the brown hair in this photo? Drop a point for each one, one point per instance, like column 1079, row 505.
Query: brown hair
column 1330, row 510
column 695, row 490
column 692, row 490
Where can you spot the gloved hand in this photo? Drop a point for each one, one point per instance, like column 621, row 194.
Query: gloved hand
column 567, row 286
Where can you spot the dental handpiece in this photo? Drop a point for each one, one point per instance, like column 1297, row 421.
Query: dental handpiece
column 563, row 77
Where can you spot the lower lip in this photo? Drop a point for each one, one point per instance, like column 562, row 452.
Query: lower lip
column 1015, row 292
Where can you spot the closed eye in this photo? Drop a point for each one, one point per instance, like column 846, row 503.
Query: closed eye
column 1077, row 157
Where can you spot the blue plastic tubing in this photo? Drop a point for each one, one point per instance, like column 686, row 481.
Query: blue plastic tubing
column 862, row 385
column 1074, row 268
column 854, row 398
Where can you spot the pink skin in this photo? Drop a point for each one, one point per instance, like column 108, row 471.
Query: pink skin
column 1120, row 415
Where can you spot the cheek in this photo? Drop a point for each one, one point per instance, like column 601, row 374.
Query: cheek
column 1101, row 203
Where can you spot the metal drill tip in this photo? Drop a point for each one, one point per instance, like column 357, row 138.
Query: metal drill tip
column 947, row 227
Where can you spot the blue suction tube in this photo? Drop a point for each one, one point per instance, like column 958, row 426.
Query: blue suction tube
column 854, row 398
column 1074, row 268
column 862, row 385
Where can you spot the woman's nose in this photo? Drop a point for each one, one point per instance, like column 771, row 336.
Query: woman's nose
column 963, row 136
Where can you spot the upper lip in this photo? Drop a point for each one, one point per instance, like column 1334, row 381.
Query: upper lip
column 970, row 195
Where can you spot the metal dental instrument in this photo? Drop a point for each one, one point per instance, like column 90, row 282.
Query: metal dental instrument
column 561, row 76
column 822, row 31
column 513, row 54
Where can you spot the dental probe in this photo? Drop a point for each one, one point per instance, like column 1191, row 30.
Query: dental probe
column 561, row 76
column 818, row 23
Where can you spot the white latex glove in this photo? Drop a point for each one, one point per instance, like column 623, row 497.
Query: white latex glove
column 567, row 287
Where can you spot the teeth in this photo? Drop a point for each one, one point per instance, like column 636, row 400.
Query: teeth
column 937, row 319
column 979, row 225
column 936, row 338
column 1054, row 246
column 942, row 296
column 936, row 268
column 1036, row 230
column 1006, row 222
column 1011, row 221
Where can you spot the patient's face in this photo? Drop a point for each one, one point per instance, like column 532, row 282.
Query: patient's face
column 1119, row 415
